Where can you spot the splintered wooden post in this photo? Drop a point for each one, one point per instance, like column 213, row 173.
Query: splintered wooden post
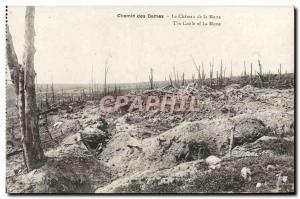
column 221, row 72
column 182, row 80
column 174, row 73
column 251, row 74
column 170, row 78
column 260, row 67
column 92, row 82
column 199, row 75
column 260, row 74
column 269, row 78
column 83, row 93
column 105, row 74
column 89, row 88
column 203, row 74
column 52, row 91
column 116, row 90
column 47, row 102
column 198, row 70
column 245, row 70
column 230, row 70
column 151, row 78
column 279, row 72
column 211, row 74
column 62, row 96
column 217, row 79
column 224, row 76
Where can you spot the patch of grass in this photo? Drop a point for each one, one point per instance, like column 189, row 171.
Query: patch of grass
column 279, row 146
column 153, row 187
column 218, row 181
column 258, row 167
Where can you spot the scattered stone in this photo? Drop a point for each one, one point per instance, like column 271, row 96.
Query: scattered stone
column 258, row 185
column 246, row 173
column 57, row 124
column 284, row 179
column 213, row 162
column 270, row 167
column 72, row 139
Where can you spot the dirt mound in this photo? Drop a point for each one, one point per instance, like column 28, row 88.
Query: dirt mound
column 127, row 153
column 196, row 177
column 248, row 130
column 93, row 137
column 70, row 168
column 270, row 144
column 160, row 177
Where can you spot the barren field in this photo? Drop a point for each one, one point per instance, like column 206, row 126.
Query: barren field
column 241, row 140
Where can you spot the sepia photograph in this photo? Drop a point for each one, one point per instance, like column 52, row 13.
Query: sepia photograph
column 150, row 100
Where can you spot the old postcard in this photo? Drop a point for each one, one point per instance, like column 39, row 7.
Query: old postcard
column 182, row 99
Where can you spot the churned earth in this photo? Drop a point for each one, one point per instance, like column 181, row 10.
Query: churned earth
column 241, row 140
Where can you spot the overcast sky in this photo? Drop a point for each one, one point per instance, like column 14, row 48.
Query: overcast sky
column 70, row 40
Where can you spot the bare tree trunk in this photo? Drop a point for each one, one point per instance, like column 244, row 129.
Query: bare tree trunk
column 92, row 86
column 217, row 79
column 260, row 73
column 62, row 96
column 22, row 113
column 224, row 76
column 203, row 75
column 47, row 102
column 221, row 73
column 231, row 70
column 151, row 78
column 269, row 78
column 251, row 74
column 175, row 81
column 171, row 82
column 211, row 73
column 245, row 70
column 34, row 155
column 23, row 78
column 13, row 65
column 89, row 89
column 105, row 74
column 52, row 92
column 279, row 72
